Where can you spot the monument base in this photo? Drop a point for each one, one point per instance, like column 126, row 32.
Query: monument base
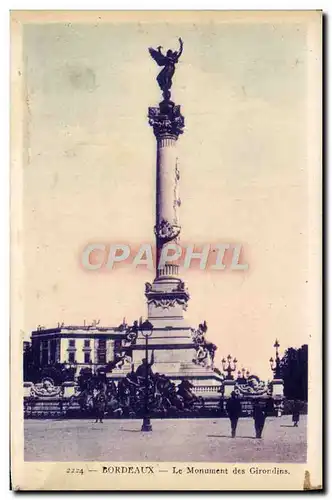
column 171, row 348
column 173, row 353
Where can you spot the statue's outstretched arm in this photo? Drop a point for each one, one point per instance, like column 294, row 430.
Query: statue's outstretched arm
column 181, row 48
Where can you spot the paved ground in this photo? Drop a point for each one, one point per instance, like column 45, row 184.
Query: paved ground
column 192, row 440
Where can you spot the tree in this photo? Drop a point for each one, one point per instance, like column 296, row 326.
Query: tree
column 30, row 371
column 58, row 372
column 294, row 372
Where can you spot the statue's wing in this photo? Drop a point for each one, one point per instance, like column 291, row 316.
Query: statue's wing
column 158, row 57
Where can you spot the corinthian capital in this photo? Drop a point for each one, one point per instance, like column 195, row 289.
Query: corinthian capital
column 166, row 120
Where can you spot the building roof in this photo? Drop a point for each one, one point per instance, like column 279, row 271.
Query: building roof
column 80, row 331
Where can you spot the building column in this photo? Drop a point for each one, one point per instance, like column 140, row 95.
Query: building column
column 167, row 123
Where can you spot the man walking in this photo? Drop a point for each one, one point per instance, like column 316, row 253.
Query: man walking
column 296, row 413
column 259, row 418
column 234, row 409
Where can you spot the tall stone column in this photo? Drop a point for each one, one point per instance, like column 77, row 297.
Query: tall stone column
column 167, row 123
column 167, row 296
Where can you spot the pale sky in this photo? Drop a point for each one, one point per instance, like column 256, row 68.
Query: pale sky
column 89, row 174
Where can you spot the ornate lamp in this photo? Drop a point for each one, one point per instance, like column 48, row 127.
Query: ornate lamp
column 228, row 367
column 275, row 363
column 146, row 330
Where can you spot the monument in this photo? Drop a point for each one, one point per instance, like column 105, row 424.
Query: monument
column 165, row 343
column 179, row 350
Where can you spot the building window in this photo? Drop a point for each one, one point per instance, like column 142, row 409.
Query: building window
column 71, row 357
column 87, row 357
column 101, row 353
column 71, row 343
column 57, row 350
column 36, row 352
column 101, row 358
column 53, row 351
column 117, row 345
column 86, row 343
column 44, row 352
column 102, row 344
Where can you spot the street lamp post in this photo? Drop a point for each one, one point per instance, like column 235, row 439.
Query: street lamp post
column 228, row 368
column 275, row 364
column 146, row 330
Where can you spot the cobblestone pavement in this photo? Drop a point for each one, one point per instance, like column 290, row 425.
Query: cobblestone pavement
column 188, row 440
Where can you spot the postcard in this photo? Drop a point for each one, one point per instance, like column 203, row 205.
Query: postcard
column 166, row 235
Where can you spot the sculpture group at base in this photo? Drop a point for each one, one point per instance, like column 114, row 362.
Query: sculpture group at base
column 97, row 396
column 127, row 397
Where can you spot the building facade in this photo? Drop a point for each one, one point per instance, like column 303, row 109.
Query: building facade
column 83, row 346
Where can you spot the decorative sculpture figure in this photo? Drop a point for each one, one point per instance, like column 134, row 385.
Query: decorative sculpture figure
column 169, row 60
column 205, row 350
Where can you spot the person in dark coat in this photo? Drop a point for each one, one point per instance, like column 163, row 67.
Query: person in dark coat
column 269, row 407
column 234, row 409
column 259, row 416
column 296, row 413
column 100, row 406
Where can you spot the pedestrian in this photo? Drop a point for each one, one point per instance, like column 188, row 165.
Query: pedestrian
column 100, row 406
column 259, row 416
column 234, row 409
column 296, row 413
column 269, row 407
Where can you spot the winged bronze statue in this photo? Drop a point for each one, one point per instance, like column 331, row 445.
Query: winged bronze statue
column 169, row 60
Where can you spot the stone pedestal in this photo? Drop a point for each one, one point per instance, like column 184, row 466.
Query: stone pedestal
column 278, row 395
column 277, row 388
column 167, row 298
column 27, row 386
column 229, row 386
column 68, row 389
